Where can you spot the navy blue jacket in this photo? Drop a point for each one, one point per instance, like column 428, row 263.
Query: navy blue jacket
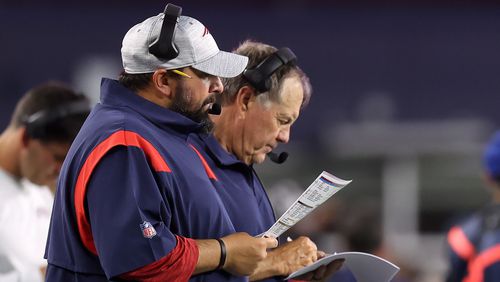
column 129, row 186
column 474, row 247
column 238, row 186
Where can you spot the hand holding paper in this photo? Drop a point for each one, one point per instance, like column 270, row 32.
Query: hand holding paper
column 287, row 258
column 365, row 267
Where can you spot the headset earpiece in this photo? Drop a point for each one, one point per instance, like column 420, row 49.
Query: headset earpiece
column 38, row 124
column 260, row 76
column 164, row 46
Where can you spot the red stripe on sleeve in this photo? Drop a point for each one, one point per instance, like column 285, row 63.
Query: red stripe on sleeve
column 460, row 244
column 119, row 138
column 481, row 262
column 178, row 265
column 208, row 170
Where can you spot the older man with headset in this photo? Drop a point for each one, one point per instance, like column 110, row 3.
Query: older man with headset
column 258, row 110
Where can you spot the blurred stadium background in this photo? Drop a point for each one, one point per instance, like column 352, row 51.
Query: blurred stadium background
column 405, row 95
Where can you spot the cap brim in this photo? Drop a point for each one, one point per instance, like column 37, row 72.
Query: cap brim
column 224, row 64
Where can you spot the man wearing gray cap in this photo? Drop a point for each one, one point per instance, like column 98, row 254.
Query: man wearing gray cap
column 133, row 200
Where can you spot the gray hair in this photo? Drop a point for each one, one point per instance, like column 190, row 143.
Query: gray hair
column 256, row 53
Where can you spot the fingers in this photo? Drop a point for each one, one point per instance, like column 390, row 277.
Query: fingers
column 245, row 252
column 323, row 272
column 271, row 242
column 306, row 277
column 320, row 272
column 314, row 256
column 334, row 266
column 308, row 250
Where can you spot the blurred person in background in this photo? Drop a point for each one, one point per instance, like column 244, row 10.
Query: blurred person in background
column 32, row 149
column 360, row 225
column 474, row 244
column 256, row 117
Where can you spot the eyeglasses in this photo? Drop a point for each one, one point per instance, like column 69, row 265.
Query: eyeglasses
column 182, row 73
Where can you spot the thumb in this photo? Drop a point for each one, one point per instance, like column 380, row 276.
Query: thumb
column 271, row 242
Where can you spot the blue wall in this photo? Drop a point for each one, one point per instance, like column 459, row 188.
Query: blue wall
column 433, row 61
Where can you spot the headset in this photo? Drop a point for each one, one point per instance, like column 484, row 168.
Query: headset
column 164, row 46
column 260, row 76
column 48, row 123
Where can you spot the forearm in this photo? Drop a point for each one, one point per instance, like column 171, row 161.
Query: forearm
column 209, row 255
column 243, row 253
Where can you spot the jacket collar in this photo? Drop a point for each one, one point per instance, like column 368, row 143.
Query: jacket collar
column 219, row 154
column 115, row 94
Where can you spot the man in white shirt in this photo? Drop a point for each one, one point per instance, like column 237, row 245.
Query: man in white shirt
column 32, row 149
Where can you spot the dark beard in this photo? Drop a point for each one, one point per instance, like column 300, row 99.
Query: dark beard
column 181, row 105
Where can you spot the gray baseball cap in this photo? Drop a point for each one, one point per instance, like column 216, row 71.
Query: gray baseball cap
column 197, row 49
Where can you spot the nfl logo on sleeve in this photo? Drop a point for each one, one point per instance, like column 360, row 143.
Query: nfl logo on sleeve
column 148, row 231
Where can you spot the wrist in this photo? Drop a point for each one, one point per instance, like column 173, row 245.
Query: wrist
column 223, row 254
column 279, row 265
column 269, row 267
